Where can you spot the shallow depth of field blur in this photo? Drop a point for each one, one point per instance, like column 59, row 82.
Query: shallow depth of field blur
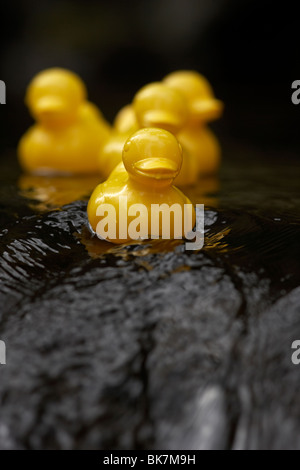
column 247, row 49
column 148, row 345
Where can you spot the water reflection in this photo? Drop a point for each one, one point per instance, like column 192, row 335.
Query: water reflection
column 52, row 192
column 97, row 248
column 46, row 193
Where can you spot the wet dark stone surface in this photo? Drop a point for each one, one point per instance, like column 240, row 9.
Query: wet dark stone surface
column 151, row 346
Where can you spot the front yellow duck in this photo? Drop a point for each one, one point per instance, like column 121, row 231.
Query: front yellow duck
column 196, row 137
column 141, row 185
column 69, row 129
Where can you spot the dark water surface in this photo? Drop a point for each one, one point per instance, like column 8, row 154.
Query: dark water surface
column 149, row 345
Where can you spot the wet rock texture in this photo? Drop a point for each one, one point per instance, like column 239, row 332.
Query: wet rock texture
column 148, row 346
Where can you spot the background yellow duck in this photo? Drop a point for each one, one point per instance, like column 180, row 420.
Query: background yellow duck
column 69, row 129
column 110, row 154
column 182, row 103
column 196, row 137
column 154, row 105
column 152, row 158
column 158, row 105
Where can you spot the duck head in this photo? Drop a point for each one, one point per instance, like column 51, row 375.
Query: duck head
column 54, row 96
column 158, row 105
column 125, row 121
column 152, row 157
column 203, row 106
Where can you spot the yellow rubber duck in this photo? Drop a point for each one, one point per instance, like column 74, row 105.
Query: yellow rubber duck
column 125, row 121
column 151, row 160
column 158, row 105
column 69, row 129
column 110, row 154
column 196, row 137
column 154, row 105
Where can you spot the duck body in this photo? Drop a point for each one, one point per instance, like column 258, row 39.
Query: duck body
column 189, row 172
column 72, row 148
column 199, row 141
column 145, row 180
column 159, row 105
column 111, row 152
column 204, row 150
column 69, row 129
column 110, row 155
column 110, row 191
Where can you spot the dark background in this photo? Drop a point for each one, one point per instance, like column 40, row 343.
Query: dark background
column 248, row 49
column 149, row 345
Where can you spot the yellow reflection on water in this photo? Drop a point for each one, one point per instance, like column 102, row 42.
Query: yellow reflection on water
column 97, row 248
column 217, row 240
column 52, row 192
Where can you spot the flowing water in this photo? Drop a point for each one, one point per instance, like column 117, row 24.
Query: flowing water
column 149, row 345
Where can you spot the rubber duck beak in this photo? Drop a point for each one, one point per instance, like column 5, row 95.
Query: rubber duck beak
column 49, row 106
column 163, row 120
column 158, row 168
column 207, row 109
